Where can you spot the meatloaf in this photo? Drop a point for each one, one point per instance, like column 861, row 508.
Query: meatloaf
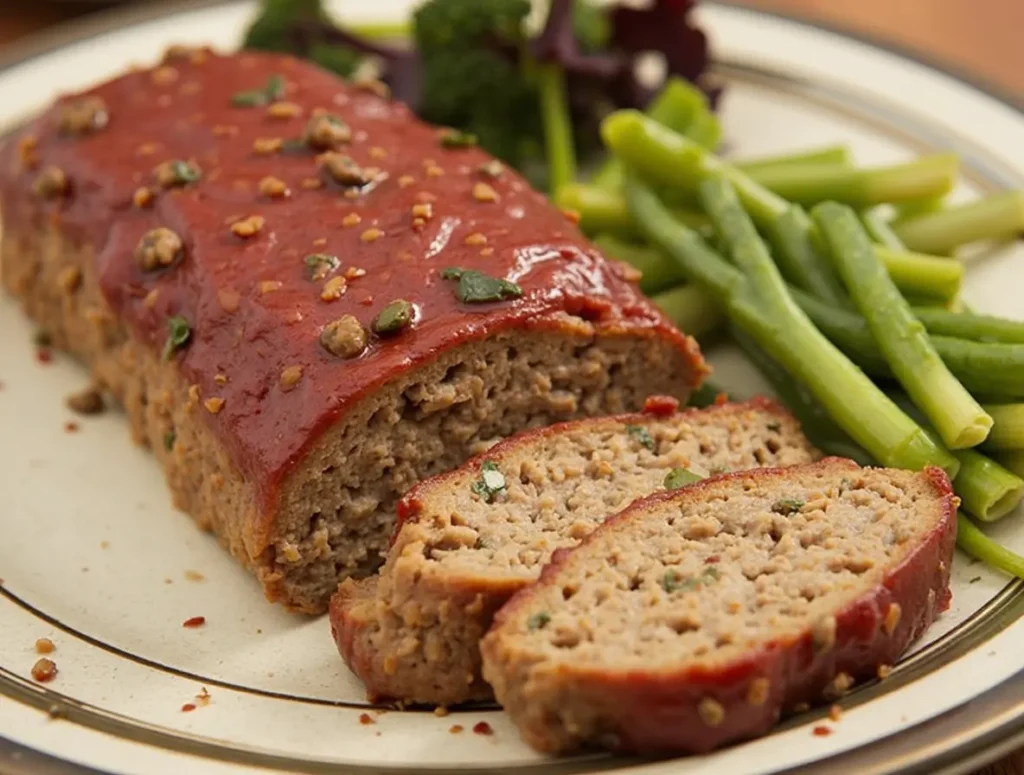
column 471, row 538
column 696, row 617
column 307, row 300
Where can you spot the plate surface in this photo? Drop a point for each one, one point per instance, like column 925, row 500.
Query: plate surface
column 96, row 559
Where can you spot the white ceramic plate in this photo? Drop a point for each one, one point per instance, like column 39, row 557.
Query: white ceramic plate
column 94, row 557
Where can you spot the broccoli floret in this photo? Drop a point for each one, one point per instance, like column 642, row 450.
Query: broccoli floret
column 279, row 24
column 473, row 77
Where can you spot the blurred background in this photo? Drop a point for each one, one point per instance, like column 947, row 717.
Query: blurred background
column 981, row 38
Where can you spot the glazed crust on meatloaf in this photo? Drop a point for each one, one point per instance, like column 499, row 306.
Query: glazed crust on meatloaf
column 695, row 618
column 412, row 633
column 216, row 237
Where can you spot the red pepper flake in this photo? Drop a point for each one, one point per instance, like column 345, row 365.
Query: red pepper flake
column 455, row 729
column 195, row 621
column 188, row 707
column 71, row 427
column 44, row 355
column 822, row 731
column 721, row 399
column 482, row 728
column 366, row 719
column 44, row 670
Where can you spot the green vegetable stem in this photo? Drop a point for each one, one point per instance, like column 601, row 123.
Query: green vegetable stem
column 993, row 217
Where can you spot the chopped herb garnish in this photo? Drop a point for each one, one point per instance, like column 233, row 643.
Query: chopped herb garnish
column 319, row 265
column 680, row 477
column 179, row 332
column 787, row 506
column 642, row 435
column 455, row 138
column 490, row 483
column 184, row 172
column 476, row 287
column 254, row 98
column 673, row 581
column 393, row 318
column 169, row 438
column 538, row 621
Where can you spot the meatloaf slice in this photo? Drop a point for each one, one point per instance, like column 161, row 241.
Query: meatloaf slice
column 694, row 618
column 251, row 255
column 471, row 538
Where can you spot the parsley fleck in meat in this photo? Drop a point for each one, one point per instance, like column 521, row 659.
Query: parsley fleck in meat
column 176, row 172
column 640, row 434
column 673, row 581
column 539, row 621
column 680, row 477
column 179, row 332
column 475, row 287
column 786, row 506
column 490, row 483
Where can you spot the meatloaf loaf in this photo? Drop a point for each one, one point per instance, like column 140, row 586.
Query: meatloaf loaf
column 694, row 618
column 471, row 538
column 307, row 300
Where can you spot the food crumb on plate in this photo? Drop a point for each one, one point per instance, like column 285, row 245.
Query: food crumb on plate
column 195, row 621
column 44, row 356
column 365, row 719
column 56, row 711
column 188, row 707
column 975, row 580
column 455, row 729
column 194, row 575
column 440, row 711
column 71, row 427
column 483, row 728
column 44, row 670
column 44, row 646
column 104, row 544
column 822, row 731
column 835, row 713
column 203, row 698
column 86, row 402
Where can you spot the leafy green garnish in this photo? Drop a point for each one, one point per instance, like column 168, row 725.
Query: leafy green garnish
column 179, row 332
column 254, row 98
column 319, row 265
column 642, row 435
column 475, row 287
column 673, row 581
column 456, row 138
column 490, row 483
column 787, row 506
column 538, row 621
column 393, row 318
column 680, row 477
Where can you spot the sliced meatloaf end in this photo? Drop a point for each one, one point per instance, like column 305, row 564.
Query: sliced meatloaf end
column 695, row 618
column 250, row 255
column 471, row 538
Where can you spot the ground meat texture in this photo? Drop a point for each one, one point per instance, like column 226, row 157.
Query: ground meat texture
column 626, row 660
column 471, row 538
column 300, row 479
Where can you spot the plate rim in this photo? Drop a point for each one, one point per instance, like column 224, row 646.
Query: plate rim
column 953, row 750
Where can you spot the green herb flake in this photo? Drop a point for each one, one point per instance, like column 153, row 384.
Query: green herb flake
column 787, row 506
column 642, row 435
column 254, row 98
column 169, row 438
column 456, row 138
column 477, row 288
column 319, row 265
column 538, row 621
column 673, row 581
column 680, row 477
column 490, row 483
column 179, row 332
column 393, row 318
column 183, row 172
column 42, row 338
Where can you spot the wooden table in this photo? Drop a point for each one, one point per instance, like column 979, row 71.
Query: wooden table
column 980, row 37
